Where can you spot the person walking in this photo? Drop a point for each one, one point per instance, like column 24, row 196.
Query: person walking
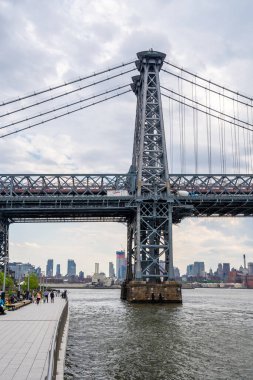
column 46, row 295
column 52, row 296
column 38, row 298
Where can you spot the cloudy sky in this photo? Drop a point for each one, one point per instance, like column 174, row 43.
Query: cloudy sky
column 45, row 43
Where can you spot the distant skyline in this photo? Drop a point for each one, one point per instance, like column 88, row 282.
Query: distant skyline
column 211, row 38
column 106, row 271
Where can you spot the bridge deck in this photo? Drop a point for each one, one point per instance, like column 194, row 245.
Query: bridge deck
column 26, row 336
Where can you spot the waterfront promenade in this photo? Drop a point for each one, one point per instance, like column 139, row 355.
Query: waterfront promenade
column 26, row 338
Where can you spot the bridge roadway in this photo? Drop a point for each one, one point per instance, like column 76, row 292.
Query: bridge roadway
column 26, row 338
column 103, row 197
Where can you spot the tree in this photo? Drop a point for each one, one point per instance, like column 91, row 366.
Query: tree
column 9, row 283
column 33, row 282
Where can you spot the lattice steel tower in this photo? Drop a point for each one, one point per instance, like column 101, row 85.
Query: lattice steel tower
column 150, row 273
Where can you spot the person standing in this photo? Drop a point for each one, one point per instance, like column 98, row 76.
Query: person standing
column 52, row 296
column 2, row 306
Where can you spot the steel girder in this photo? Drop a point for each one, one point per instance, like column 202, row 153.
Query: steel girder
column 63, row 184
column 212, row 184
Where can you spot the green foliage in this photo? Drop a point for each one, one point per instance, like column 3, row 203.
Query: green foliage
column 33, row 282
column 8, row 283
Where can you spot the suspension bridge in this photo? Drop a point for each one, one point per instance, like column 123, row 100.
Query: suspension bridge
column 207, row 171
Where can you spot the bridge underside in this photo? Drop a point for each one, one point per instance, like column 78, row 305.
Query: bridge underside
column 118, row 209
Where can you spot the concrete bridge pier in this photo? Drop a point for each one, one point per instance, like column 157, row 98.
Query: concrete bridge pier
column 148, row 292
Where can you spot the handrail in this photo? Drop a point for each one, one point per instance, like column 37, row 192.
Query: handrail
column 55, row 344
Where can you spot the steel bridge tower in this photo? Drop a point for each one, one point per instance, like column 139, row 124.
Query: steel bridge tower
column 150, row 273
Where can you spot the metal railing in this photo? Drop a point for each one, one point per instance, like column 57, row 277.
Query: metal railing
column 55, row 344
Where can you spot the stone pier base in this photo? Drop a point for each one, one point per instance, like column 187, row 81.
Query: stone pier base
column 141, row 291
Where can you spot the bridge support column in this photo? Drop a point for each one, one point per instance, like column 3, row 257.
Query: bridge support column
column 150, row 243
column 153, row 275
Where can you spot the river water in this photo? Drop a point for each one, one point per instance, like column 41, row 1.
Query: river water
column 208, row 337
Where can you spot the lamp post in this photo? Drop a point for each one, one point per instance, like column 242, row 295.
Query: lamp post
column 4, row 282
column 19, row 275
column 28, row 281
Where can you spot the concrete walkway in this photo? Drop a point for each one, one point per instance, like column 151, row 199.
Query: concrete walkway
column 25, row 339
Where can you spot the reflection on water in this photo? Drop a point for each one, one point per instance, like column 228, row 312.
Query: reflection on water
column 210, row 336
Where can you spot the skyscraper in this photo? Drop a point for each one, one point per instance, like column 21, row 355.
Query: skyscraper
column 226, row 270
column 121, row 265
column 220, row 271
column 96, row 268
column 189, row 270
column 250, row 268
column 71, row 268
column 50, row 268
column 199, row 269
column 58, row 270
column 111, row 270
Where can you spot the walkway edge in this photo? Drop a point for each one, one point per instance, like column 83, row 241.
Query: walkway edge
column 56, row 344
column 62, row 353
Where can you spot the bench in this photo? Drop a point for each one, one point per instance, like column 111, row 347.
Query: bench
column 17, row 305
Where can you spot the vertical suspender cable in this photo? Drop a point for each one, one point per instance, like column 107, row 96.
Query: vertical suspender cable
column 180, row 128
column 183, row 130
column 171, row 116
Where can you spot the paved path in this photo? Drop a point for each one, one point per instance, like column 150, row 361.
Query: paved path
column 25, row 338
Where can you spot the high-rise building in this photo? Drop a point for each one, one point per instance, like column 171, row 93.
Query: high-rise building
column 111, row 270
column 121, row 265
column 189, row 270
column 50, row 268
column 96, row 268
column 225, row 271
column 176, row 272
column 38, row 272
column 81, row 275
column 162, row 267
column 21, row 270
column 250, row 268
column 220, row 271
column 71, row 271
column 58, row 270
column 199, row 269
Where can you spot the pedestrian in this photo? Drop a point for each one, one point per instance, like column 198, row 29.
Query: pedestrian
column 38, row 298
column 52, row 296
column 2, row 306
column 46, row 295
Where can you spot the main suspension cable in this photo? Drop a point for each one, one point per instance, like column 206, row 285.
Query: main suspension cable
column 207, row 113
column 67, row 93
column 62, row 107
column 4, row 103
column 208, row 81
column 64, row 114
column 206, row 88
column 203, row 105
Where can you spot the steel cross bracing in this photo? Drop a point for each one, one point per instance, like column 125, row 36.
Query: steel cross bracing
column 147, row 198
